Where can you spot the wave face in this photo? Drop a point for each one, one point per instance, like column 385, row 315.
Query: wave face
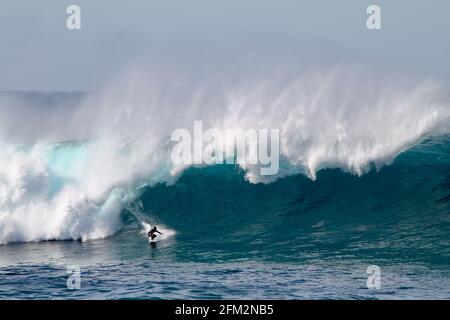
column 340, row 134
column 398, row 213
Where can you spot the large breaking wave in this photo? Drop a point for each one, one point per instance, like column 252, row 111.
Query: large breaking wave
column 117, row 143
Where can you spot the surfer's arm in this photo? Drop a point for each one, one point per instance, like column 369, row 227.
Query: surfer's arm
column 158, row 232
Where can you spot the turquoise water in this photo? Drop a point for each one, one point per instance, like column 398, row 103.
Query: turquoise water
column 292, row 239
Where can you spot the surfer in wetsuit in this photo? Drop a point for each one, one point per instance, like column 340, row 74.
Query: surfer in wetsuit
column 152, row 233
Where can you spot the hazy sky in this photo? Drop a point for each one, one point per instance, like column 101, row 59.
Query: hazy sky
column 38, row 52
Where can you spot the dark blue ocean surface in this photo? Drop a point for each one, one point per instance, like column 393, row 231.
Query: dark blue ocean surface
column 292, row 239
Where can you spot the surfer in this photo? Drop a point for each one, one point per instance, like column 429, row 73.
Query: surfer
column 152, row 233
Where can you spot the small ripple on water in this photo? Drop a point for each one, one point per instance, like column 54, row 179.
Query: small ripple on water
column 217, row 281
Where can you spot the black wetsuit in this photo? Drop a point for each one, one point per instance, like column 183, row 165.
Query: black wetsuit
column 151, row 234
